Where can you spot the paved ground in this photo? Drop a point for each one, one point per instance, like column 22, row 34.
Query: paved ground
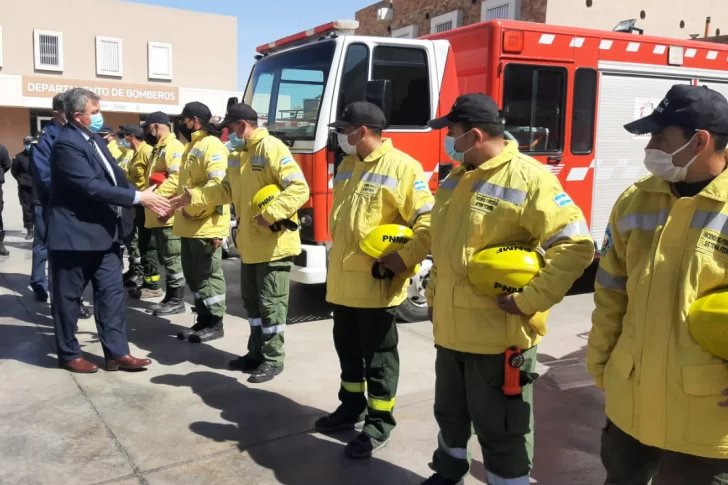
column 188, row 420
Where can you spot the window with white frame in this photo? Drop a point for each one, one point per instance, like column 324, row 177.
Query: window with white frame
column 446, row 21
column 160, row 60
column 500, row 9
column 409, row 32
column 48, row 50
column 109, row 56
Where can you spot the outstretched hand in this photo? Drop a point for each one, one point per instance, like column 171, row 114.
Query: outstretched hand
column 156, row 203
column 181, row 201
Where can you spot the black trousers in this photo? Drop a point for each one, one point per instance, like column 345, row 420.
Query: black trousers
column 2, row 229
column 25, row 195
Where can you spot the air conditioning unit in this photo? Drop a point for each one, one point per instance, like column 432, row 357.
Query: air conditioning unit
column 385, row 13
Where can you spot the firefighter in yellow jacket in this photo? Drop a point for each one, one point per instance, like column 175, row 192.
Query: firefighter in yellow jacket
column 666, row 245
column 202, row 230
column 145, row 278
column 123, row 153
column 374, row 185
column 260, row 160
column 496, row 196
column 166, row 161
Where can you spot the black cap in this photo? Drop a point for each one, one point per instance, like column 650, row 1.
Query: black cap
column 691, row 107
column 361, row 113
column 239, row 112
column 28, row 139
column 157, row 117
column 469, row 108
column 135, row 130
column 196, row 109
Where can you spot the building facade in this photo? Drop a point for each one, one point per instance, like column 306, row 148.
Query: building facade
column 415, row 18
column 138, row 58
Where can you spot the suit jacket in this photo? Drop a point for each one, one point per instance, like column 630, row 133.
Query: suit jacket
column 82, row 210
column 40, row 165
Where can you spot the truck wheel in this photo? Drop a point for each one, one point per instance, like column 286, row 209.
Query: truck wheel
column 414, row 308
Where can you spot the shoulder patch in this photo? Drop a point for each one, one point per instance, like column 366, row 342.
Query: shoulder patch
column 420, row 185
column 285, row 161
column 608, row 241
column 562, row 199
column 215, row 158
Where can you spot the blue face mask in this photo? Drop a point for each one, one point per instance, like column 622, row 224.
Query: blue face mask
column 124, row 143
column 235, row 142
column 27, row 148
column 97, row 122
column 450, row 149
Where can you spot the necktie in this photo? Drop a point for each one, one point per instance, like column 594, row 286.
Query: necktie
column 107, row 167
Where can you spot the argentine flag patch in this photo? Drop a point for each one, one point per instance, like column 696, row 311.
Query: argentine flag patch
column 420, row 185
column 215, row 158
column 285, row 161
column 562, row 199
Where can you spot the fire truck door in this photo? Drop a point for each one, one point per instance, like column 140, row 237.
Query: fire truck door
column 618, row 161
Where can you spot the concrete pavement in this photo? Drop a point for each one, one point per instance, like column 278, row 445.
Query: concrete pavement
column 189, row 420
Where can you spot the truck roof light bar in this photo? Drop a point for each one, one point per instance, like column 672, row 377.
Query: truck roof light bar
column 337, row 27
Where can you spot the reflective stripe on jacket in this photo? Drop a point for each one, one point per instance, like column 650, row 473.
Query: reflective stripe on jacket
column 265, row 160
column 387, row 187
column 167, row 158
column 660, row 254
column 510, row 198
column 203, row 165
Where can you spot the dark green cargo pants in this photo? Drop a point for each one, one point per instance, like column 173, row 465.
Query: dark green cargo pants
column 132, row 249
column 169, row 252
column 265, row 288
column 366, row 342
column 147, row 250
column 469, row 394
column 629, row 462
column 202, row 268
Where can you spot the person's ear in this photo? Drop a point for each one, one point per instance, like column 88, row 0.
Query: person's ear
column 704, row 139
column 478, row 136
column 364, row 131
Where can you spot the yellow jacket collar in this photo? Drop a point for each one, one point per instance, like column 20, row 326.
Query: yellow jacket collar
column 165, row 139
column 508, row 153
column 198, row 135
column 256, row 137
column 379, row 152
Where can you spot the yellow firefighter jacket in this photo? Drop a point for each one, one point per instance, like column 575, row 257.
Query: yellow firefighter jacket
column 660, row 254
column 167, row 158
column 264, row 160
column 137, row 167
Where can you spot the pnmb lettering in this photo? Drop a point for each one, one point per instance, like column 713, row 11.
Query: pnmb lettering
column 266, row 201
column 506, row 288
column 396, row 239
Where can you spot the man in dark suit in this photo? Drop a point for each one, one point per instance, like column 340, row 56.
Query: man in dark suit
column 88, row 216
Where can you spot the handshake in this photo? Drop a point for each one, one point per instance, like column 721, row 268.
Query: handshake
column 162, row 207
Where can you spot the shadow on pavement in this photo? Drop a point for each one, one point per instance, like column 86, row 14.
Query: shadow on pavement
column 275, row 432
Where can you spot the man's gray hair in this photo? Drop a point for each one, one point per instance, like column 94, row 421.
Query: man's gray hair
column 76, row 100
column 58, row 102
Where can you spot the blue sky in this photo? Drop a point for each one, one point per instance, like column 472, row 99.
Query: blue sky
column 261, row 22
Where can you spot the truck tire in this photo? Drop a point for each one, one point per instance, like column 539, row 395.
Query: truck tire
column 414, row 308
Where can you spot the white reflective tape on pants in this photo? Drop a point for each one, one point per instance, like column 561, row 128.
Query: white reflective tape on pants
column 196, row 295
column 571, row 230
column 176, row 276
column 459, row 453
column 610, row 281
column 255, row 322
column 642, row 221
column 275, row 329
column 213, row 299
column 493, row 479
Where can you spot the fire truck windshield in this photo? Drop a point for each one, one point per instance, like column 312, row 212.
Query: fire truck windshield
column 286, row 90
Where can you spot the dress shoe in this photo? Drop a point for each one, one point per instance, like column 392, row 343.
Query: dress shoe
column 127, row 363
column 84, row 312
column 79, row 366
column 41, row 295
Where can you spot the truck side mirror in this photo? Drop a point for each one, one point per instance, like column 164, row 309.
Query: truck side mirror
column 379, row 92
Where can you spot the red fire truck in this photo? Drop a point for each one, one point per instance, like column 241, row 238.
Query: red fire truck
column 565, row 94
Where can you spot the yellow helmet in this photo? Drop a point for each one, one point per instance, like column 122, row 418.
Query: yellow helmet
column 708, row 323
column 386, row 239
column 263, row 198
column 505, row 268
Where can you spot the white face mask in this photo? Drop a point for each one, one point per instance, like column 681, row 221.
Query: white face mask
column 347, row 147
column 660, row 164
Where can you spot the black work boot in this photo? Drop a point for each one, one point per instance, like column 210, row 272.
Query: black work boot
column 339, row 420
column 29, row 234
column 245, row 363
column 264, row 373
column 84, row 312
column 145, row 293
column 3, row 250
column 203, row 321
column 137, row 278
column 364, row 446
column 213, row 331
column 171, row 305
column 438, row 479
